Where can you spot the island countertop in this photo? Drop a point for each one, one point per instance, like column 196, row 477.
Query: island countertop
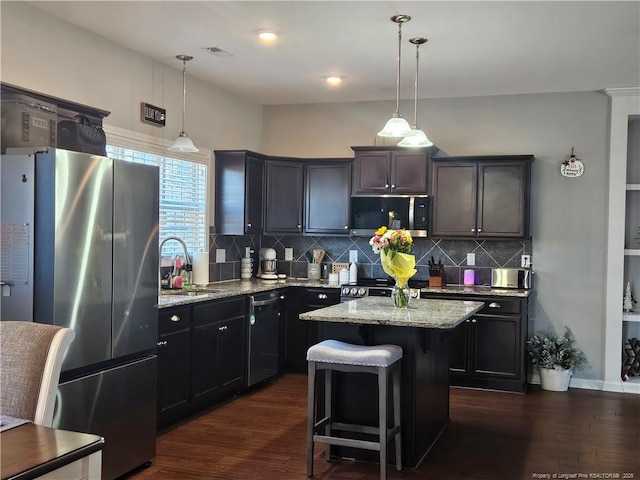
column 423, row 313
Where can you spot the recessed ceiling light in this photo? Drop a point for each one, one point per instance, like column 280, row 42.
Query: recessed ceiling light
column 334, row 80
column 267, row 36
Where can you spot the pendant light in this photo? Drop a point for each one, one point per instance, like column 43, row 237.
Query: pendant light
column 418, row 139
column 183, row 143
column 397, row 126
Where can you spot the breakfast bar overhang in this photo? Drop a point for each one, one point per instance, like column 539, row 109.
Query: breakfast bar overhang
column 423, row 331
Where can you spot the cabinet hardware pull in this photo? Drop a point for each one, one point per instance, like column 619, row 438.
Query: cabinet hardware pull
column 393, row 186
column 175, row 318
column 473, row 320
column 495, row 305
column 224, row 327
column 249, row 225
column 386, row 185
column 162, row 344
column 479, row 230
column 467, row 320
column 346, row 227
column 283, row 297
column 473, row 229
column 322, row 296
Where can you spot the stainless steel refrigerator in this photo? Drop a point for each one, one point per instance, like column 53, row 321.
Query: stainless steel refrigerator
column 79, row 249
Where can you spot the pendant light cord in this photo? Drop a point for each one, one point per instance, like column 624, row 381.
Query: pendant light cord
column 184, row 91
column 398, row 74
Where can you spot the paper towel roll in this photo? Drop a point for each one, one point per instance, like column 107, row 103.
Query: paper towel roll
column 201, row 268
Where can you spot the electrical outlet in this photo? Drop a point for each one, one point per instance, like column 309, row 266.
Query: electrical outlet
column 471, row 259
column 353, row 256
column 525, row 261
column 220, row 255
column 288, row 254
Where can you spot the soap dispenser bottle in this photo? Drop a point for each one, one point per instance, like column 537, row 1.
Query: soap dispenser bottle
column 353, row 273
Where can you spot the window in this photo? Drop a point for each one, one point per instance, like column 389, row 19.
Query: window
column 183, row 190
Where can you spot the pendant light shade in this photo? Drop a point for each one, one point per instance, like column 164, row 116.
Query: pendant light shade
column 183, row 143
column 418, row 138
column 397, row 126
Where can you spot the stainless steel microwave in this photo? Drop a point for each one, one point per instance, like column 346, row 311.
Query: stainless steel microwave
column 406, row 212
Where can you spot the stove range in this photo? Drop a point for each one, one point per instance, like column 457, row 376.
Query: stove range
column 377, row 287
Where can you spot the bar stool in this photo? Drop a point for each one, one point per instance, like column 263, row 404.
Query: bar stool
column 381, row 360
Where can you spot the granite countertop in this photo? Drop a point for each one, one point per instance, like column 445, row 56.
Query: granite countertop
column 232, row 288
column 477, row 290
column 423, row 313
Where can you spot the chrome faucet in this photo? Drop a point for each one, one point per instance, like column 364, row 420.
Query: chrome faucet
column 187, row 258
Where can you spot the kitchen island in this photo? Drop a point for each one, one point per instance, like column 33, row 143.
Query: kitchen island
column 423, row 331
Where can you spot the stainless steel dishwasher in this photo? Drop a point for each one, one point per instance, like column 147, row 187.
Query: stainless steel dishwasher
column 262, row 341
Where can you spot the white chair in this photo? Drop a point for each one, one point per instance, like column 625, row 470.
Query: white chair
column 31, row 356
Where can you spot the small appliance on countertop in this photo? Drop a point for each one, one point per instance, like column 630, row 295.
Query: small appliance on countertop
column 521, row 278
column 268, row 264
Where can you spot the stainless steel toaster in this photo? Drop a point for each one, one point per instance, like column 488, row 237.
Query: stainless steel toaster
column 511, row 278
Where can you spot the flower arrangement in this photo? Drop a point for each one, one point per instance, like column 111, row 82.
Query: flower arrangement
column 548, row 350
column 394, row 246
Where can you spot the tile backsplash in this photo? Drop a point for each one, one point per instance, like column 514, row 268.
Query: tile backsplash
column 452, row 253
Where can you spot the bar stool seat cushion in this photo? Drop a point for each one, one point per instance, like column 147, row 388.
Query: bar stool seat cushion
column 334, row 351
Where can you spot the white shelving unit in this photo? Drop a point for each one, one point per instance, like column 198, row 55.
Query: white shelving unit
column 623, row 235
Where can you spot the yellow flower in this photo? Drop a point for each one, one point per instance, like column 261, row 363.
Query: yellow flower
column 381, row 230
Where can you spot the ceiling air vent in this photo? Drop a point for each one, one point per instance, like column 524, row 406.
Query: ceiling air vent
column 217, row 51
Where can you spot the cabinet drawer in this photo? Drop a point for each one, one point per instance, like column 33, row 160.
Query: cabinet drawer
column 219, row 309
column 500, row 306
column 174, row 319
column 318, row 297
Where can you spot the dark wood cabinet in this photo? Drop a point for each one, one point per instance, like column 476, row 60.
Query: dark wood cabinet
column 388, row 170
column 174, row 346
column 301, row 334
column 239, row 192
column 488, row 350
column 327, row 194
column 201, row 356
column 481, row 196
column 284, row 197
column 218, row 348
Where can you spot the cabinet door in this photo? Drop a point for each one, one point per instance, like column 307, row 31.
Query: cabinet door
column 284, row 197
column 254, row 195
column 460, row 348
column 409, row 172
column 454, row 204
column 231, row 351
column 496, row 346
column 204, row 361
column 371, row 172
column 502, row 199
column 173, row 375
column 328, row 190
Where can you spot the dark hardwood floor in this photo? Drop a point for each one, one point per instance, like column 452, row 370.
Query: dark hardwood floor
column 261, row 436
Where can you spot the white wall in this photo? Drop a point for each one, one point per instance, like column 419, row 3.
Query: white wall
column 41, row 53
column 568, row 215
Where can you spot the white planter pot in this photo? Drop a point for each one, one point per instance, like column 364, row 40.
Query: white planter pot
column 555, row 380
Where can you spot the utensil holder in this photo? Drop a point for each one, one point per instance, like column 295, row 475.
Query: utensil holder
column 313, row 271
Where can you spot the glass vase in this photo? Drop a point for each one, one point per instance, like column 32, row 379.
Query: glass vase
column 401, row 296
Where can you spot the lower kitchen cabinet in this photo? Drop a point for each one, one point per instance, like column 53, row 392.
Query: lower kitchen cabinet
column 174, row 345
column 488, row 350
column 301, row 334
column 202, row 362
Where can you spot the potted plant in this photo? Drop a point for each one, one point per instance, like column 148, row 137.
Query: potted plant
column 556, row 357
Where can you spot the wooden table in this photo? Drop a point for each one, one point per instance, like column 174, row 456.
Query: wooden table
column 423, row 331
column 32, row 451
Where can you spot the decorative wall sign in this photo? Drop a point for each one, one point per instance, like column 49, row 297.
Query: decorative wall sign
column 572, row 167
column 152, row 114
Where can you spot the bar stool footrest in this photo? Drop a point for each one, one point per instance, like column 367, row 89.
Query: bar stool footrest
column 346, row 442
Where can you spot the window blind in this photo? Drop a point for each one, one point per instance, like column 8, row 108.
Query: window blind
column 183, row 187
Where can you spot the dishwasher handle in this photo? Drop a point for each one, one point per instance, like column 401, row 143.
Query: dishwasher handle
column 259, row 303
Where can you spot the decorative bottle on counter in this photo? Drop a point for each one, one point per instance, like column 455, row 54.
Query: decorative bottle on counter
column 353, row 273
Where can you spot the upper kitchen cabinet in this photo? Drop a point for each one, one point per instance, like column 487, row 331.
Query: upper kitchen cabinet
column 284, row 196
column 239, row 192
column 327, row 192
column 485, row 196
column 389, row 170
